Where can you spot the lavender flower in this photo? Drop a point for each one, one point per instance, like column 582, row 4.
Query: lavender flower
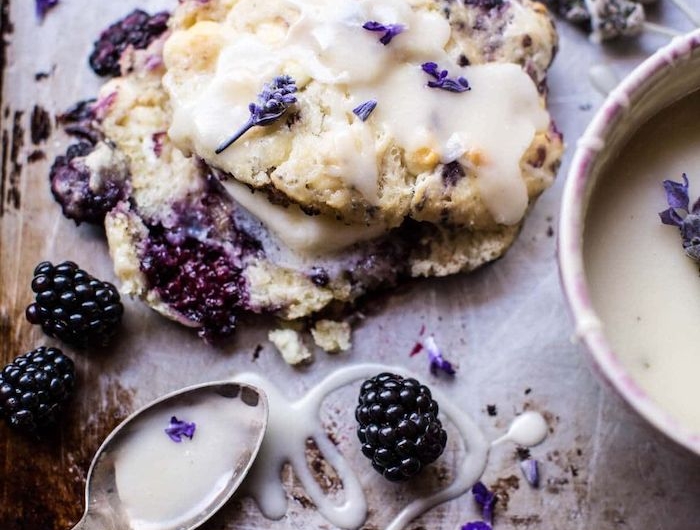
column 531, row 471
column 43, row 6
column 442, row 81
column 477, row 525
column 437, row 361
column 363, row 110
column 486, row 499
column 680, row 214
column 274, row 100
column 390, row 30
column 177, row 429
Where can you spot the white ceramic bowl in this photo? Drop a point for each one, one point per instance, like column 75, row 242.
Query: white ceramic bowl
column 670, row 74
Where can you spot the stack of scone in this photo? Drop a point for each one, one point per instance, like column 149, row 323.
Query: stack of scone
column 417, row 141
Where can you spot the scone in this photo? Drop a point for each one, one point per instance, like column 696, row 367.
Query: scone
column 309, row 211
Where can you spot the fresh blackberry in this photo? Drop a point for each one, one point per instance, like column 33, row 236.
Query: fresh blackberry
column 137, row 29
column 73, row 306
column 87, row 194
column 34, row 388
column 399, row 428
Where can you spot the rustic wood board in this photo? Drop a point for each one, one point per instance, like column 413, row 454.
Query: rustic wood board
column 506, row 326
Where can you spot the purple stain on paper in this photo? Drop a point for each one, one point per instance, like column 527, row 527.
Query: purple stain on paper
column 177, row 429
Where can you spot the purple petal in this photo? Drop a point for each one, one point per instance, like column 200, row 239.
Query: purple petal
column 486, row 499
column 390, row 30
column 177, row 429
column 431, row 69
column 43, row 6
column 442, row 81
column 437, row 361
column 530, row 469
column 373, row 25
column 677, row 193
column 477, row 525
column 363, row 110
column 671, row 217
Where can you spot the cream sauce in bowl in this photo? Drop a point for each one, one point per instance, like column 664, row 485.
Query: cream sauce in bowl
column 643, row 286
column 629, row 286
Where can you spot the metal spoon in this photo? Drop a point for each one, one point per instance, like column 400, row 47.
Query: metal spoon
column 104, row 508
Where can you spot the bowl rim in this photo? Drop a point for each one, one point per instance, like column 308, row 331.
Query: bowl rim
column 588, row 327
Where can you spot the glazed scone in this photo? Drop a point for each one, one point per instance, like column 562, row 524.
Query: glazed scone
column 276, row 224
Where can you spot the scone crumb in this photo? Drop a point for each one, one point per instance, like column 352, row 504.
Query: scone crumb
column 331, row 336
column 290, row 345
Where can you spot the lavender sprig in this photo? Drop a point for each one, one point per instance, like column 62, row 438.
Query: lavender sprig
column 363, row 110
column 177, row 429
column 531, row 471
column 43, row 6
column 437, row 361
column 390, row 30
column 442, row 81
column 274, row 100
column 680, row 214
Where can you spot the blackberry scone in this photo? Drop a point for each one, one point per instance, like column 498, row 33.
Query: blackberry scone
column 286, row 157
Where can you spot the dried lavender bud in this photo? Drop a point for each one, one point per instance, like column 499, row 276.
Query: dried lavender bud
column 681, row 215
column 43, row 6
column 531, row 471
column 442, row 81
column 274, row 100
column 177, row 429
column 604, row 20
column 437, row 361
column 477, row 525
column 363, row 110
column 390, row 30
column 486, row 499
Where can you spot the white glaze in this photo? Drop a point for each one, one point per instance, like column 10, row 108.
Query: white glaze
column 527, row 429
column 603, row 78
column 291, row 423
column 322, row 44
column 644, row 288
column 162, row 484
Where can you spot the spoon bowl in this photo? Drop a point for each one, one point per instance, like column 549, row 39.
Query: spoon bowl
column 143, row 478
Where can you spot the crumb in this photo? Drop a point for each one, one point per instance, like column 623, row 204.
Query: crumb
column 290, row 345
column 36, row 156
column 331, row 336
column 528, row 390
column 522, row 453
column 550, row 231
column 256, row 352
column 491, row 410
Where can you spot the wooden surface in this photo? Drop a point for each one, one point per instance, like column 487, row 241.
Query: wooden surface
column 505, row 326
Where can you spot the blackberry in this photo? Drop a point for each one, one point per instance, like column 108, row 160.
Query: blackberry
column 200, row 280
column 34, row 388
column 87, row 194
column 73, row 306
column 137, row 29
column 399, row 428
